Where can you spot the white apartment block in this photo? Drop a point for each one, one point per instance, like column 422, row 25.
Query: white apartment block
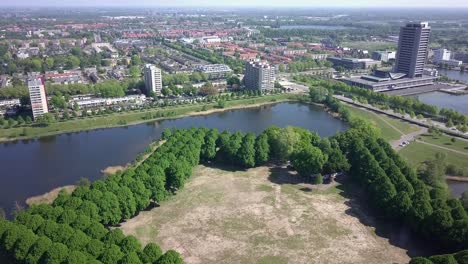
column 441, row 55
column 153, row 79
column 38, row 97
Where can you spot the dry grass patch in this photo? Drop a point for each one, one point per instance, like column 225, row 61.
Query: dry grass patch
column 250, row 217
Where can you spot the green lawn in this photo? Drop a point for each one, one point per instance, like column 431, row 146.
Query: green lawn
column 445, row 141
column 416, row 153
column 128, row 118
column 381, row 121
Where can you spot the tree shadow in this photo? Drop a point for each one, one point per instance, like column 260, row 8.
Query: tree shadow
column 222, row 166
column 398, row 234
column 285, row 175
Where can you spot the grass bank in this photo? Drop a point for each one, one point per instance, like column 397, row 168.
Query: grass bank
column 392, row 129
column 137, row 117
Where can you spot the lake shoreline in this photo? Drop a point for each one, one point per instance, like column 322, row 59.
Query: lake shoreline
column 188, row 114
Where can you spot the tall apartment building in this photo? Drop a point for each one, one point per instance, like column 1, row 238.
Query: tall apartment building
column 153, row 79
column 259, row 75
column 38, row 97
column 441, row 55
column 412, row 49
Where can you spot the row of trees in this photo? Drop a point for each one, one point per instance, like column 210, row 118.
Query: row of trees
column 396, row 191
column 73, row 229
column 408, row 104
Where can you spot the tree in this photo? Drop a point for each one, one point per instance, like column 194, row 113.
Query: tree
column 24, row 244
column 318, row 179
column 40, row 246
column 151, row 253
column 208, row 89
column 462, row 257
column 134, row 71
column 246, row 153
column 76, row 257
column 57, row 253
column 130, row 258
column 130, row 244
column 308, row 160
column 208, row 150
column 432, row 172
column 443, row 259
column 262, row 149
column 420, row 260
column 111, row 255
column 170, row 257
column 464, row 199
column 221, row 104
column 95, row 247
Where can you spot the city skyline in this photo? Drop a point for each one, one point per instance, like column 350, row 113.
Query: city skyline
column 240, row 3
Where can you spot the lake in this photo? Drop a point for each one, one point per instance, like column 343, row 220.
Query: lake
column 454, row 75
column 445, row 100
column 34, row 167
column 320, row 27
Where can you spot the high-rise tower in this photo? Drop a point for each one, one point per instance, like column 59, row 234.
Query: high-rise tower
column 412, row 49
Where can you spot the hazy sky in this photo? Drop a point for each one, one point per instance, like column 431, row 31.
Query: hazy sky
column 266, row 3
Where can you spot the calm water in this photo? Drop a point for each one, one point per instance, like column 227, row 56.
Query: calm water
column 445, row 100
column 458, row 188
column 34, row 167
column 454, row 75
column 321, row 27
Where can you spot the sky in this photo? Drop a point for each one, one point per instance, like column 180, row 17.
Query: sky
column 238, row 3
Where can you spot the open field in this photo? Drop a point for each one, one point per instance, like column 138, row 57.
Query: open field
column 417, row 152
column 371, row 46
column 445, row 141
column 263, row 215
column 135, row 117
column 392, row 129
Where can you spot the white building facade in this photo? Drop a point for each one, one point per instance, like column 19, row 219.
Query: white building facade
column 38, row 97
column 153, row 79
column 441, row 55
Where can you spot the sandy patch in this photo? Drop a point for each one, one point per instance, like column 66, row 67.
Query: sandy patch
column 245, row 217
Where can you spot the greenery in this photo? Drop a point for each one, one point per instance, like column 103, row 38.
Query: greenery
column 112, row 119
column 397, row 103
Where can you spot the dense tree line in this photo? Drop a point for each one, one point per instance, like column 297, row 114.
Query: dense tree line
column 400, row 103
column 76, row 228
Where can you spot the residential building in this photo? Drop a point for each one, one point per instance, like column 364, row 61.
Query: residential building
column 38, row 97
column 412, row 49
column 441, row 55
column 259, row 75
column 215, row 71
column 153, row 79
column 384, row 55
column 318, row 56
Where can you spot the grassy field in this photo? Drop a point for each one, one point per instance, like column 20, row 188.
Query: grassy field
column 416, row 153
column 371, row 46
column 445, row 141
column 391, row 128
column 129, row 118
column 263, row 215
